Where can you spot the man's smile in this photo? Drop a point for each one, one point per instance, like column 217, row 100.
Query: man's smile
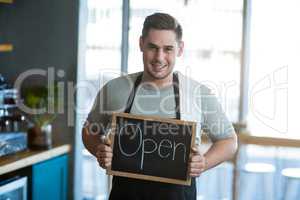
column 158, row 66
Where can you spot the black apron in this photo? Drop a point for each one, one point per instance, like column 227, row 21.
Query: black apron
column 134, row 189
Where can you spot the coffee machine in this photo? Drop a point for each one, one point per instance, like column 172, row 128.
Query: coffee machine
column 13, row 136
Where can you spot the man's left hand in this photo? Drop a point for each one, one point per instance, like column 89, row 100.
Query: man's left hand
column 197, row 163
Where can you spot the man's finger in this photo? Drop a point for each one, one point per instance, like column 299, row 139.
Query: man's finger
column 104, row 147
column 107, row 160
column 194, row 175
column 99, row 162
column 196, row 170
column 196, row 158
column 105, row 140
column 197, row 165
column 195, row 149
column 104, row 162
column 106, row 165
column 102, row 154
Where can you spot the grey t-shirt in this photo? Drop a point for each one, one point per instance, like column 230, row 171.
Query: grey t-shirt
column 160, row 102
column 154, row 101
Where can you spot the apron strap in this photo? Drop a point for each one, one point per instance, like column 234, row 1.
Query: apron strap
column 132, row 93
column 176, row 94
column 137, row 82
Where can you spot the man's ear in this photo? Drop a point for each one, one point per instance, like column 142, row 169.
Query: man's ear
column 141, row 43
column 180, row 48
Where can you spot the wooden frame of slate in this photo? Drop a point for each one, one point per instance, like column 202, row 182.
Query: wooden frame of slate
column 151, row 148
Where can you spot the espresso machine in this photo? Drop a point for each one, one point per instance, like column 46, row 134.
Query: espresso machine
column 13, row 136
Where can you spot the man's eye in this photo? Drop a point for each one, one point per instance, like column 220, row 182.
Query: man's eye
column 151, row 47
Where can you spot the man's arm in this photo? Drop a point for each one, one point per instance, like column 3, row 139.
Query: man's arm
column 99, row 147
column 219, row 129
column 90, row 141
column 219, row 152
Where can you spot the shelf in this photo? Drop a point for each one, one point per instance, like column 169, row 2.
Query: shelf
column 6, row 1
column 6, row 47
column 8, row 106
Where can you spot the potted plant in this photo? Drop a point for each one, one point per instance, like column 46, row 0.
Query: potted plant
column 42, row 102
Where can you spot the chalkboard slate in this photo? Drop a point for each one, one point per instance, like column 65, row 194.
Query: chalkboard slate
column 151, row 148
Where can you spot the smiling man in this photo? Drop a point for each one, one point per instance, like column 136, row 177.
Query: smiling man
column 160, row 91
column 160, row 49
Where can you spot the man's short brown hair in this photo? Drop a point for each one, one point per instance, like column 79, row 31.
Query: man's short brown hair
column 162, row 21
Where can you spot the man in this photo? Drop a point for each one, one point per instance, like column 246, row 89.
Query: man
column 160, row 91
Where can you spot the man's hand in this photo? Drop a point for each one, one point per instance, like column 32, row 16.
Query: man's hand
column 104, row 153
column 197, row 163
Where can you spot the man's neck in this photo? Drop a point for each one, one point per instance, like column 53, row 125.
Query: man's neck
column 160, row 83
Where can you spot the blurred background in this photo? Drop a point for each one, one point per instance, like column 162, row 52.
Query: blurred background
column 246, row 51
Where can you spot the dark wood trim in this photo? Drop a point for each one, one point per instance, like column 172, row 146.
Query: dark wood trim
column 7, row 1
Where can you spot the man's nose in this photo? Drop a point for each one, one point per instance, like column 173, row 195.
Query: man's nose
column 160, row 55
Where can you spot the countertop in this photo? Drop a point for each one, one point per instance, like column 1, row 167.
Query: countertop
column 30, row 157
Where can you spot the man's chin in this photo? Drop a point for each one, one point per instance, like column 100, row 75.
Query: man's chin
column 159, row 75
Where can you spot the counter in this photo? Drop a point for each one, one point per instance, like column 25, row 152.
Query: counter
column 30, row 157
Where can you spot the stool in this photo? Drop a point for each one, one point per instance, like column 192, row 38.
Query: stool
column 94, row 184
column 292, row 186
column 216, row 183
column 224, row 180
column 256, row 182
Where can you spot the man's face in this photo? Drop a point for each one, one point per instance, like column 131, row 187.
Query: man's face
column 160, row 49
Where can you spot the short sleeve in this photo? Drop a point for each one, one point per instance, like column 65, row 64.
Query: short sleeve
column 98, row 119
column 214, row 120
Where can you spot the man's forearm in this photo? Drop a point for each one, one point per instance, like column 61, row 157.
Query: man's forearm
column 221, row 151
column 90, row 141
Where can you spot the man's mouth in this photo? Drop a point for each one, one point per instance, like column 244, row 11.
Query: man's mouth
column 158, row 67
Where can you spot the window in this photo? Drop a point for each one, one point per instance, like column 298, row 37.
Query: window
column 272, row 46
column 212, row 47
column 103, row 37
column 102, row 61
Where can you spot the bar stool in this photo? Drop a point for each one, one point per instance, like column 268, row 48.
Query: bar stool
column 224, row 180
column 94, row 184
column 203, row 185
column 256, row 179
column 216, row 183
column 292, row 186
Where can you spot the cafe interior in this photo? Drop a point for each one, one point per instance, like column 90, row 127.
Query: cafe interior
column 56, row 55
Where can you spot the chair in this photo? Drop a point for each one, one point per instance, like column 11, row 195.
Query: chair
column 292, row 186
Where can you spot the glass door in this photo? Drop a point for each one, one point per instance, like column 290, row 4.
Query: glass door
column 100, row 51
column 212, row 34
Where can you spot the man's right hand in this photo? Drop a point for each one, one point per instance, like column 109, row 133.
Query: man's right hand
column 104, row 153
